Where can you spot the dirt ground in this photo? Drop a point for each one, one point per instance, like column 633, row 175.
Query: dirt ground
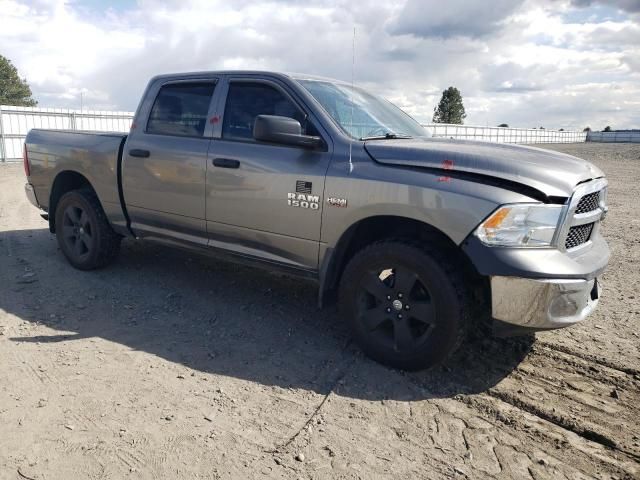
column 170, row 365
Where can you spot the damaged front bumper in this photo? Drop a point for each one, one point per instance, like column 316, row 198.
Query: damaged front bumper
column 541, row 304
column 539, row 289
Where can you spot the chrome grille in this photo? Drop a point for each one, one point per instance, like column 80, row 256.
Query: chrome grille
column 588, row 203
column 578, row 235
column 584, row 212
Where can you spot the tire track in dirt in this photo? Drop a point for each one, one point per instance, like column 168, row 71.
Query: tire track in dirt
column 444, row 438
column 565, row 399
column 542, row 439
column 590, row 358
column 174, row 447
column 587, row 368
column 130, row 458
column 555, row 389
column 41, row 373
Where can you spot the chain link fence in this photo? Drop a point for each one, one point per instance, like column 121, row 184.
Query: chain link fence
column 15, row 123
column 505, row 134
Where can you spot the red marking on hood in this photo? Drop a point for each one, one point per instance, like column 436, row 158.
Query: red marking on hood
column 214, row 119
column 447, row 164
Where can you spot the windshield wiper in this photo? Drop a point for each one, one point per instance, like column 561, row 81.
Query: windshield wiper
column 387, row 136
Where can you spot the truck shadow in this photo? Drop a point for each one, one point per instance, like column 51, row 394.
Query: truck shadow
column 216, row 317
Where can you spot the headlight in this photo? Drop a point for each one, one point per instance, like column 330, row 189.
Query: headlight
column 520, row 225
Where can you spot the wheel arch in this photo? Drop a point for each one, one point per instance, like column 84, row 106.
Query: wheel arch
column 372, row 229
column 65, row 181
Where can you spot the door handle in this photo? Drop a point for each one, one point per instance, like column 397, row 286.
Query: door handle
column 226, row 163
column 136, row 152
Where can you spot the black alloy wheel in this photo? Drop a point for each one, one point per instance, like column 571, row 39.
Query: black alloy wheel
column 77, row 232
column 84, row 233
column 406, row 303
column 396, row 308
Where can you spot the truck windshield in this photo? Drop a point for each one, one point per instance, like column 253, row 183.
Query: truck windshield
column 372, row 117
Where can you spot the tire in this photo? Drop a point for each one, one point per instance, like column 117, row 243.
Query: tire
column 407, row 306
column 84, row 234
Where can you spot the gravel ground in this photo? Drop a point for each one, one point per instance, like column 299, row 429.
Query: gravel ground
column 170, row 365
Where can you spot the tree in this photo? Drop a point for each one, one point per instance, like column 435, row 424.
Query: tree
column 450, row 109
column 504, row 125
column 607, row 129
column 13, row 89
column 587, row 129
column 561, row 130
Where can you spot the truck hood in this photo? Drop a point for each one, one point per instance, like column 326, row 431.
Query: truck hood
column 552, row 173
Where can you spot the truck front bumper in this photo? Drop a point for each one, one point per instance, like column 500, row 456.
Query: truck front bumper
column 539, row 289
column 541, row 304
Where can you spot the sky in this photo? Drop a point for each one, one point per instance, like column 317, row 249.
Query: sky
column 528, row 63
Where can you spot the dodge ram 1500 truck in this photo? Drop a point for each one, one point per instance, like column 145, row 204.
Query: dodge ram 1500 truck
column 413, row 236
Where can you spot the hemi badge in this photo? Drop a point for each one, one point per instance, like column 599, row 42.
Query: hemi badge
column 337, row 202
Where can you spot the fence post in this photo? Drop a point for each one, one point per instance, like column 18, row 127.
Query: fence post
column 73, row 120
column 3, row 145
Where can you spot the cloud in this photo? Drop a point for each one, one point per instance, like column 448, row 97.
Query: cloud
column 632, row 6
column 590, row 104
column 510, row 77
column 520, row 62
column 455, row 18
column 614, row 37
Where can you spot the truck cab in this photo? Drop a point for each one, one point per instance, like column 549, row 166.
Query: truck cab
column 193, row 171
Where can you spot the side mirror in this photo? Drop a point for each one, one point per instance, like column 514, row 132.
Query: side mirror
column 283, row 130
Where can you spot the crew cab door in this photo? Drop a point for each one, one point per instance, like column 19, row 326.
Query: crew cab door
column 264, row 200
column 165, row 160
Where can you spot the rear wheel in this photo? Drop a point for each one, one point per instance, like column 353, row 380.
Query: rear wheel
column 84, row 234
column 406, row 305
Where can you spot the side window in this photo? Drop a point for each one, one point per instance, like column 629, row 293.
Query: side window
column 181, row 109
column 245, row 101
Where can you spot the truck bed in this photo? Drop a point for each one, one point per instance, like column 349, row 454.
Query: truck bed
column 95, row 154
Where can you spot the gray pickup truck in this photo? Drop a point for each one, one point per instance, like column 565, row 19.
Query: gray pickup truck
column 415, row 237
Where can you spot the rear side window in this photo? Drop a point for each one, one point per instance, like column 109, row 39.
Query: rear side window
column 245, row 101
column 181, row 109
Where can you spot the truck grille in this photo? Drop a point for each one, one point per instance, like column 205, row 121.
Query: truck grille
column 588, row 203
column 586, row 208
column 578, row 235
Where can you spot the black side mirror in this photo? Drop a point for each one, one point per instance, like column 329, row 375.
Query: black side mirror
column 284, row 130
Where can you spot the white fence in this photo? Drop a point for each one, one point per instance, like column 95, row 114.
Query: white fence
column 505, row 134
column 15, row 122
column 630, row 137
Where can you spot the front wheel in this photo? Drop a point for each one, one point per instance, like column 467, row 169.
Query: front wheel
column 84, row 234
column 406, row 305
